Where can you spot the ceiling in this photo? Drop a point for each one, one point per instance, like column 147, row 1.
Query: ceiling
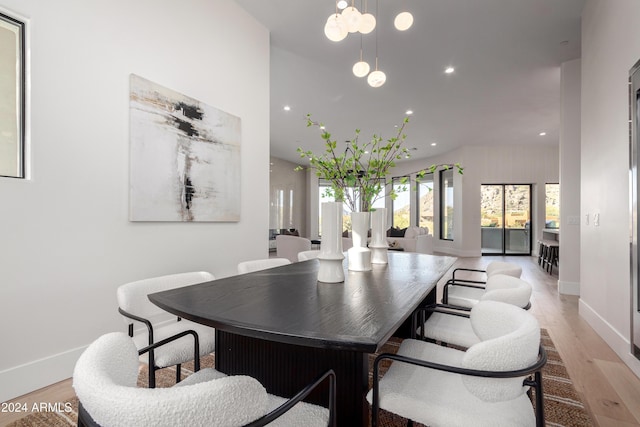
column 505, row 88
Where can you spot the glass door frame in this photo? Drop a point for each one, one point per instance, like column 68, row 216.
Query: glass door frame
column 504, row 227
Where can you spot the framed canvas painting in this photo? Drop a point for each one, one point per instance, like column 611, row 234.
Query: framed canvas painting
column 185, row 157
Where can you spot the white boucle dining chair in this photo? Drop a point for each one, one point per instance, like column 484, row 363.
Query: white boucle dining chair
column 501, row 267
column 289, row 246
column 447, row 325
column 135, row 306
column 307, row 255
column 105, row 378
column 479, row 277
column 260, row 264
column 499, row 287
column 486, row 385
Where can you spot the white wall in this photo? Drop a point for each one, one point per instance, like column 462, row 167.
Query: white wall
column 569, row 276
column 66, row 239
column 610, row 47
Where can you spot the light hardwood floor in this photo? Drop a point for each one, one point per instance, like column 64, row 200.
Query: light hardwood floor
column 610, row 391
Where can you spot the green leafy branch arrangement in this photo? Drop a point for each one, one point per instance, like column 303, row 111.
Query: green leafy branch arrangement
column 358, row 175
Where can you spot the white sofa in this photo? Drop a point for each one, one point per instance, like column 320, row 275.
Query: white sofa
column 416, row 239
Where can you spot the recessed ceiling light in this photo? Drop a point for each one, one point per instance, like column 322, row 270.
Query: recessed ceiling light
column 449, row 70
column 287, row 108
column 409, row 112
column 433, row 144
column 542, row 133
column 342, row 4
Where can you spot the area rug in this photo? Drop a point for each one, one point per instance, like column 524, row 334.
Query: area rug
column 562, row 404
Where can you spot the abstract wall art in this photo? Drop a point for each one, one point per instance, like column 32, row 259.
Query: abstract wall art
column 185, row 157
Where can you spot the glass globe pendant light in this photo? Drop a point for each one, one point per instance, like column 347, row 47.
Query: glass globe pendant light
column 403, row 21
column 361, row 68
column 335, row 29
column 368, row 22
column 352, row 17
column 377, row 77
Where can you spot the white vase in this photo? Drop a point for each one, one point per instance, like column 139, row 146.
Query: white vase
column 331, row 256
column 379, row 246
column 359, row 254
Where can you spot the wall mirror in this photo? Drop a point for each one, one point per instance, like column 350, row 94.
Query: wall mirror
column 12, row 97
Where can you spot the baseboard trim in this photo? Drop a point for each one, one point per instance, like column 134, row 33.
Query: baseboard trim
column 618, row 343
column 26, row 378
column 568, row 288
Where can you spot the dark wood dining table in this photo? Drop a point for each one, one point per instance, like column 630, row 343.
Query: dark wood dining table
column 283, row 327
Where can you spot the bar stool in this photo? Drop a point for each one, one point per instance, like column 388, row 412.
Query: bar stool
column 552, row 256
column 542, row 249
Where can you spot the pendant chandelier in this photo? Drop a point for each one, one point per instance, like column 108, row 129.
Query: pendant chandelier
column 351, row 20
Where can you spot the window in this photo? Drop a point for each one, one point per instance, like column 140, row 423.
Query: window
column 446, row 204
column 424, row 194
column 13, row 99
column 381, row 199
column 401, row 206
column 324, row 196
column 552, row 206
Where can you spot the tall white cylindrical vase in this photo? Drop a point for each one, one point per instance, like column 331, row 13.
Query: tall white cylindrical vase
column 331, row 256
column 359, row 254
column 379, row 246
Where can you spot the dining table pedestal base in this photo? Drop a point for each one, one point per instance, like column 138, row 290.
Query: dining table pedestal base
column 284, row 369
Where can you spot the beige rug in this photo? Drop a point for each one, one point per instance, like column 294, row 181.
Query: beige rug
column 562, row 405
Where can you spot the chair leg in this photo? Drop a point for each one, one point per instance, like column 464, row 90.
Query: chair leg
column 178, row 369
column 539, row 400
column 152, row 376
column 540, row 252
column 552, row 258
column 152, row 369
column 84, row 419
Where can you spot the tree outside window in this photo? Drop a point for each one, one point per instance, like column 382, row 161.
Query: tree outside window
column 401, row 205
column 425, row 203
column 552, row 206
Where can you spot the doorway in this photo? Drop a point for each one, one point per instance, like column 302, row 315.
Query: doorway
column 505, row 219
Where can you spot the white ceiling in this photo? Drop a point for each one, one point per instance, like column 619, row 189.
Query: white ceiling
column 505, row 90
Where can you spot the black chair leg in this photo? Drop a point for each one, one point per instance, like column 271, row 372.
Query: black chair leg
column 539, row 400
column 152, row 376
column 84, row 419
column 178, row 369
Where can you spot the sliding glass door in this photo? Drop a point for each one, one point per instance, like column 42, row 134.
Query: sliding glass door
column 506, row 219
